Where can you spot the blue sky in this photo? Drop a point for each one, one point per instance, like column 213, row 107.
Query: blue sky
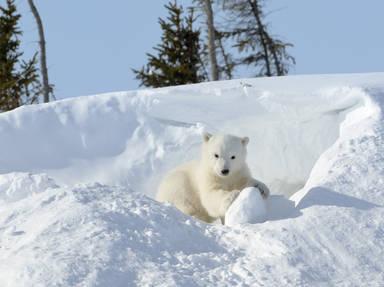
column 92, row 45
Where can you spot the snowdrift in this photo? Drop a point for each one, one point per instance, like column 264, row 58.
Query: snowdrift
column 77, row 177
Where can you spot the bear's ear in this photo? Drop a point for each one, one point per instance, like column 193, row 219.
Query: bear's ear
column 245, row 140
column 206, row 136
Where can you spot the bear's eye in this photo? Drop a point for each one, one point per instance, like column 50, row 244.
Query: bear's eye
column 233, row 157
column 216, row 155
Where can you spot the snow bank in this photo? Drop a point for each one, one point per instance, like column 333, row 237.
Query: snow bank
column 132, row 138
column 94, row 235
column 74, row 174
column 16, row 186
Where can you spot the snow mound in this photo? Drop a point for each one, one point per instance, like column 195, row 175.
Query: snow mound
column 133, row 138
column 18, row 185
column 92, row 235
column 76, row 207
column 248, row 207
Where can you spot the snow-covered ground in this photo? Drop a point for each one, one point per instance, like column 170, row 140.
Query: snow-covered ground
column 78, row 177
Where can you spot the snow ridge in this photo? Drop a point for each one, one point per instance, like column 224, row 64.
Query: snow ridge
column 76, row 207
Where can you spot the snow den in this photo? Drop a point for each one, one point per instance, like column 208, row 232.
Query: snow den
column 134, row 138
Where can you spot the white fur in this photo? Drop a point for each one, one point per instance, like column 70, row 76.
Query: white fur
column 199, row 188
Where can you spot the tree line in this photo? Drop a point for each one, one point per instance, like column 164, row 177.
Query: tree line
column 211, row 40
column 190, row 52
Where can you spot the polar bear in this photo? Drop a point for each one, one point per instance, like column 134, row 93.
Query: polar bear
column 206, row 188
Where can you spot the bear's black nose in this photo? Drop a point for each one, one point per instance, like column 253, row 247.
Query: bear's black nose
column 225, row 171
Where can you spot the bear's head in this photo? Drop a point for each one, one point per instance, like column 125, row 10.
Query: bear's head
column 224, row 154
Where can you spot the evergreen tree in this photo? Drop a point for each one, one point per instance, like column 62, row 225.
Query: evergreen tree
column 253, row 40
column 19, row 83
column 178, row 60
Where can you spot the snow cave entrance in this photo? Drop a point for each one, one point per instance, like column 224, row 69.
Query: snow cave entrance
column 285, row 141
column 285, row 146
column 288, row 134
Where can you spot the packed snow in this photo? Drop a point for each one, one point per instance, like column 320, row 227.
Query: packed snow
column 248, row 207
column 78, row 178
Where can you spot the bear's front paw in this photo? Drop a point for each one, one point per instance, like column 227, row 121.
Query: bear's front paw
column 264, row 190
column 231, row 196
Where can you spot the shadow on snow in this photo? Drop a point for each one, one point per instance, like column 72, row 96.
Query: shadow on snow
column 280, row 207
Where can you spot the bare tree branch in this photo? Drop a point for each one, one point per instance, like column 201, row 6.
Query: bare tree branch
column 43, row 58
column 211, row 40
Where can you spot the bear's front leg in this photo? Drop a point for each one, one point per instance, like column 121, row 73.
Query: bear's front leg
column 216, row 202
column 264, row 190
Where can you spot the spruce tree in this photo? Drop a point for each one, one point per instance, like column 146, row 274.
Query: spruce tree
column 178, row 59
column 253, row 40
column 19, row 82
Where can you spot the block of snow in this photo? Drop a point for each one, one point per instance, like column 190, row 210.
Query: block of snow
column 15, row 186
column 248, row 207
